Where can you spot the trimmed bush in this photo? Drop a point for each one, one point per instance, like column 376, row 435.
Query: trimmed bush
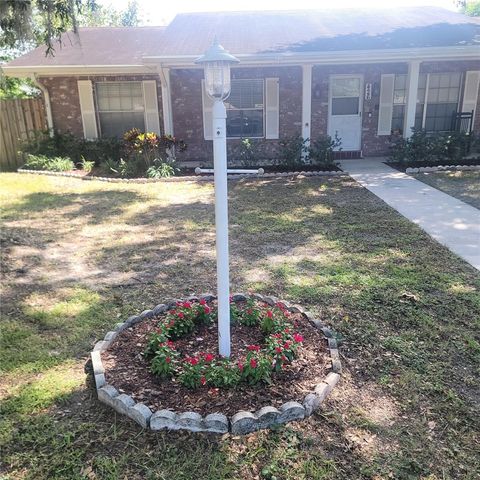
column 53, row 164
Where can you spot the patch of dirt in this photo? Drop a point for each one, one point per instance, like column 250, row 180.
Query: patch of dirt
column 128, row 370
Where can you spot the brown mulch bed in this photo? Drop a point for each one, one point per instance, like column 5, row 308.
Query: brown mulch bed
column 128, row 370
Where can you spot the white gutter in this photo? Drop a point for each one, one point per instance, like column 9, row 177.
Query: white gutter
column 470, row 52
column 48, row 105
column 53, row 70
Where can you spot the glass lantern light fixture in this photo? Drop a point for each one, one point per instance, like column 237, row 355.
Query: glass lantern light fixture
column 216, row 62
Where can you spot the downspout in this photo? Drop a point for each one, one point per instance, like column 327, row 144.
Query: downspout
column 48, row 106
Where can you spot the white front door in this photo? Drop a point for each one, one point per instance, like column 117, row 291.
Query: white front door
column 345, row 110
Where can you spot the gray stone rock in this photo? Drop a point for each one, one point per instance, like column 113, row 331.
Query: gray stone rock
column 270, row 300
column 332, row 343
column 122, row 403
column 110, row 336
column 290, row 411
column 296, row 309
column 100, row 380
column 258, row 296
column 140, row 413
column 216, row 423
column 133, row 320
column 101, row 345
column 311, row 403
column 163, row 419
column 192, row 421
column 239, row 297
column 332, row 379
column 192, row 298
column 314, row 321
column 120, row 326
column 336, row 363
column 322, row 390
column 107, row 393
column 147, row 314
column 267, row 416
column 243, row 422
column 208, row 297
column 327, row 332
column 97, row 364
column 161, row 308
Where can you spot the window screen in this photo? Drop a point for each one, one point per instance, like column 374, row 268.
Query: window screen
column 120, row 107
column 245, row 109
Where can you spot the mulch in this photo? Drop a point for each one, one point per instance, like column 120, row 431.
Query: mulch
column 128, row 370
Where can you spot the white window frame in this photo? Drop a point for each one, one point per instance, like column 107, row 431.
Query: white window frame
column 425, row 102
column 97, row 109
column 263, row 108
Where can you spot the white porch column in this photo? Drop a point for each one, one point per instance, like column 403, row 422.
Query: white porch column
column 411, row 102
column 166, row 101
column 306, row 103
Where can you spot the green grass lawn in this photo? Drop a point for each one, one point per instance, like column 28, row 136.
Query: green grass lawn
column 78, row 256
column 462, row 185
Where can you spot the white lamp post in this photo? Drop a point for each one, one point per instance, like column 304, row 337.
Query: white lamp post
column 216, row 63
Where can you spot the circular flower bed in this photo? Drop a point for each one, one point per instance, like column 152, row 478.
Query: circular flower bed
column 167, row 360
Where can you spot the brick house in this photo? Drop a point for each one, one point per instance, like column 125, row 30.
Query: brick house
column 364, row 75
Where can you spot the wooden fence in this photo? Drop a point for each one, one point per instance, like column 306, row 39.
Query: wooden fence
column 19, row 120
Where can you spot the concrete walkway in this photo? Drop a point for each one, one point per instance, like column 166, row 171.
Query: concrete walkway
column 451, row 222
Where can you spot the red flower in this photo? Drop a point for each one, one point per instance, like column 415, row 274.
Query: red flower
column 287, row 345
column 203, row 380
column 249, row 311
column 287, row 330
column 207, row 309
column 192, row 360
column 240, row 366
column 269, row 314
column 180, row 315
column 253, row 363
column 168, row 359
column 253, row 348
column 172, row 312
column 203, row 301
column 284, row 358
column 278, row 349
column 209, row 357
column 297, row 337
column 187, row 305
column 170, row 344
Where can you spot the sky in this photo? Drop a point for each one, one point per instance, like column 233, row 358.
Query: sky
column 159, row 12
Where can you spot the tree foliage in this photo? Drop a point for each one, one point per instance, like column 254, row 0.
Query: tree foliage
column 471, row 8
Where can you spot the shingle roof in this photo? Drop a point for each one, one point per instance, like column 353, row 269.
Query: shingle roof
column 98, row 46
column 319, row 30
column 264, row 32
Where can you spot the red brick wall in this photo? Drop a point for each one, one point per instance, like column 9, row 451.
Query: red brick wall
column 188, row 117
column 187, row 104
column 66, row 104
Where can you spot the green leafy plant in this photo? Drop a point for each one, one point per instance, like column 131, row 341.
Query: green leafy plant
column 53, row 164
column 160, row 170
column 293, row 152
column 246, row 152
column 192, row 373
column 257, row 366
column 87, row 165
column 223, row 374
column 250, row 314
column 164, row 360
column 321, row 150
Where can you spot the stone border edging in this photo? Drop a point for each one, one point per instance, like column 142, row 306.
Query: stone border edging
column 240, row 423
column 200, row 178
column 442, row 168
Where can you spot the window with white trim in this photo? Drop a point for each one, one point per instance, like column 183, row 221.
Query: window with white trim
column 441, row 101
column 120, row 107
column 245, row 109
column 400, row 100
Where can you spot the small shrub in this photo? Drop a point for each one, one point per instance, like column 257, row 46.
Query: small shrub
column 53, row 164
column 425, row 148
column 164, row 361
column 246, row 152
column 250, row 315
column 293, row 152
column 160, row 170
column 321, row 150
column 87, row 165
column 223, row 374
